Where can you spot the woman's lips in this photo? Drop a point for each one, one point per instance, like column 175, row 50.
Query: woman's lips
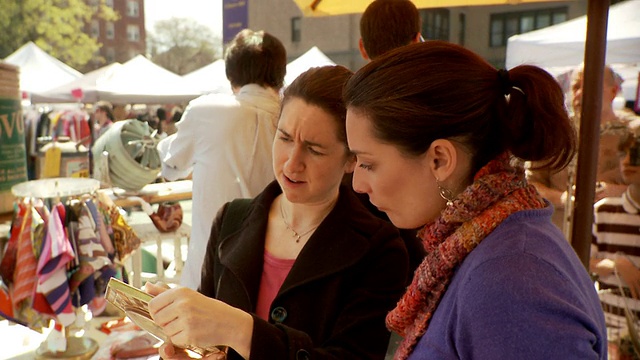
column 291, row 181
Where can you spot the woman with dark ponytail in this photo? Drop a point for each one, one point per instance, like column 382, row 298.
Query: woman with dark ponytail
column 440, row 136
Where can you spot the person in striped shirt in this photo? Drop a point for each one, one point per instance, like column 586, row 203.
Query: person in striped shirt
column 616, row 244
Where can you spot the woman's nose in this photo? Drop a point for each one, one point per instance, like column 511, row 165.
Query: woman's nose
column 358, row 182
column 295, row 162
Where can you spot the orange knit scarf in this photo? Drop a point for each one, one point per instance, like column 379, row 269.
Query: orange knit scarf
column 498, row 190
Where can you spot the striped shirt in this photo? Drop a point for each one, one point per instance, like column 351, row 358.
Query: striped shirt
column 617, row 232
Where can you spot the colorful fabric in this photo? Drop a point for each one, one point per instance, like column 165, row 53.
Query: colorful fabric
column 498, row 190
column 56, row 250
column 6, row 307
column 24, row 278
column 8, row 264
column 125, row 239
column 39, row 225
column 101, row 229
column 52, row 274
column 91, row 254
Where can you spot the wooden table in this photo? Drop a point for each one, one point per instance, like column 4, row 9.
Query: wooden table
column 152, row 193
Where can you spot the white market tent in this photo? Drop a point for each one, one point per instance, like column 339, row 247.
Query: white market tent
column 87, row 84
column 138, row 81
column 563, row 44
column 40, row 71
column 312, row 58
column 210, row 78
column 561, row 47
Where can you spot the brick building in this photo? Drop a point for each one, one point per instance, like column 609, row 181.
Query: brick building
column 121, row 39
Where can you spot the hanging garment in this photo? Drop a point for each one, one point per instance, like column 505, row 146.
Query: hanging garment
column 6, row 309
column 52, row 274
column 101, row 228
column 8, row 264
column 24, row 277
column 39, row 224
column 125, row 239
column 95, row 265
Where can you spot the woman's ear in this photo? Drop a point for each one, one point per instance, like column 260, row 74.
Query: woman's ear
column 443, row 159
column 363, row 52
column 350, row 165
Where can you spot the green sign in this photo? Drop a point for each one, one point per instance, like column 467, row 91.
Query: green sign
column 13, row 154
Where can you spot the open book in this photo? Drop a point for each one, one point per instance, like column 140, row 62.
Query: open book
column 135, row 304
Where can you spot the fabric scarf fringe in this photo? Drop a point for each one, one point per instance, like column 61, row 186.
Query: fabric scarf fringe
column 499, row 189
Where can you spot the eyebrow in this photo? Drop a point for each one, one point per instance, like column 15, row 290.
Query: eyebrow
column 306, row 142
column 356, row 152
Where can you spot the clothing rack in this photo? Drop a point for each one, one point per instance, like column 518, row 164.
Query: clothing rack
column 76, row 193
column 55, row 188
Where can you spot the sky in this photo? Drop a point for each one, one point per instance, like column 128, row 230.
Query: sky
column 205, row 12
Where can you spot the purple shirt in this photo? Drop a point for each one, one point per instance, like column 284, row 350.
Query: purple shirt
column 521, row 294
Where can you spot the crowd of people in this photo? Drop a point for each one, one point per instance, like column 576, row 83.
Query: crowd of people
column 103, row 114
column 415, row 207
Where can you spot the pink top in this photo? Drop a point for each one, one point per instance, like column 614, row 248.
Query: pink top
column 274, row 271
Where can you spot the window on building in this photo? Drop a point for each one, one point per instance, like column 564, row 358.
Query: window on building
column 435, row 24
column 95, row 28
column 110, row 55
column 462, row 17
column 505, row 25
column 133, row 33
column 109, row 3
column 296, row 29
column 133, row 8
column 110, row 30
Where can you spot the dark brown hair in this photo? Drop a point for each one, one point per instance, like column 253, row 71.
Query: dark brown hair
column 322, row 87
column 626, row 141
column 256, row 57
column 106, row 107
column 436, row 90
column 388, row 24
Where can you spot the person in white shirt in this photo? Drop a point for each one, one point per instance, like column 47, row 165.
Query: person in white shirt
column 225, row 140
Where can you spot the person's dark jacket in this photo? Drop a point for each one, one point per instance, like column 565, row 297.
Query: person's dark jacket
column 333, row 303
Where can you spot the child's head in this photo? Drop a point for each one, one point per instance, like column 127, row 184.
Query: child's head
column 629, row 148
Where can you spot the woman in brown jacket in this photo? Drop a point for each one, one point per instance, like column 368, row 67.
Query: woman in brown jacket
column 308, row 272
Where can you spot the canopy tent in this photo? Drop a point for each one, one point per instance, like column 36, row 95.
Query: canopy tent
column 210, row 78
column 138, row 81
column 563, row 44
column 560, row 48
column 339, row 7
column 312, row 58
column 40, row 71
column 83, row 88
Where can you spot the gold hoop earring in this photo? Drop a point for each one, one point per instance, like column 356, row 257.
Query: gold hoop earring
column 445, row 193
